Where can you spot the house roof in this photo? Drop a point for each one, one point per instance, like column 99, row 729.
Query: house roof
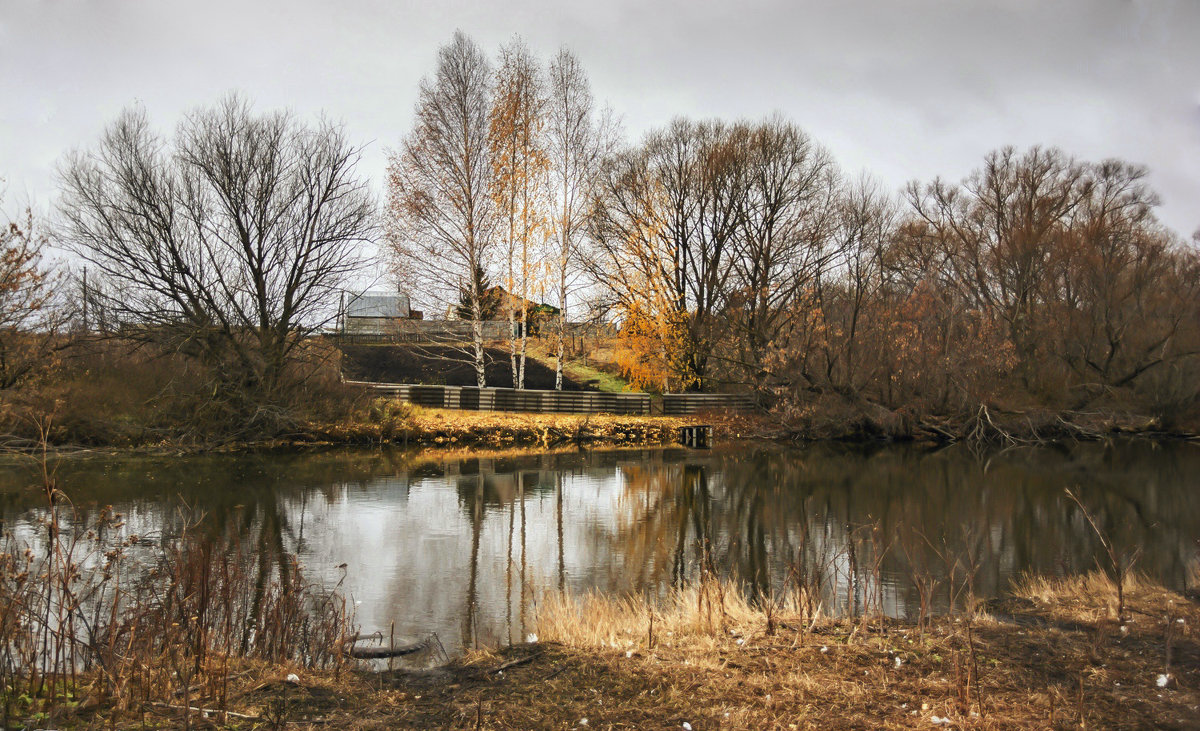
column 377, row 304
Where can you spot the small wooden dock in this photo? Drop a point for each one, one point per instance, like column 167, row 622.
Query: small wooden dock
column 697, row 436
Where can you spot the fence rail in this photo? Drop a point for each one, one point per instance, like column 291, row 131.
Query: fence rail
column 473, row 398
column 681, row 404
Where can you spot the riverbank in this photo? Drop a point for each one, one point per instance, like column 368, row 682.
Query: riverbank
column 108, row 396
column 833, row 417
column 380, row 421
column 387, row 422
column 448, row 430
column 416, row 425
column 391, row 422
column 1051, row 655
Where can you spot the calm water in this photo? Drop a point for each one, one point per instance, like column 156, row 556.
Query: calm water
column 464, row 547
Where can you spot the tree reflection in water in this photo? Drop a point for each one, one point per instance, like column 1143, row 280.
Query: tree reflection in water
column 466, row 547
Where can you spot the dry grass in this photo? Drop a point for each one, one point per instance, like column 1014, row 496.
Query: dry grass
column 450, row 428
column 420, row 426
column 1050, row 656
column 1093, row 594
column 498, row 426
column 701, row 613
column 716, row 661
column 111, row 393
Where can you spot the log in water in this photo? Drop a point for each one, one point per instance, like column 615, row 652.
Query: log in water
column 384, row 652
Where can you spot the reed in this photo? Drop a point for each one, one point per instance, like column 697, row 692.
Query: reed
column 708, row 608
column 91, row 614
column 1120, row 562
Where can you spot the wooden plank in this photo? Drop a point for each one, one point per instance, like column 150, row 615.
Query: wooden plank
column 678, row 404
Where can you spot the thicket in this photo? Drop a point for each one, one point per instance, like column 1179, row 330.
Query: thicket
column 739, row 256
column 110, row 391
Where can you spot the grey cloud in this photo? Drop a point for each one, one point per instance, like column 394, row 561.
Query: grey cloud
column 906, row 90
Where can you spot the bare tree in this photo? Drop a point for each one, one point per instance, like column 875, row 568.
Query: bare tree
column 664, row 232
column 784, row 239
column 579, row 140
column 1121, row 284
column 866, row 219
column 1068, row 258
column 519, row 166
column 999, row 232
column 440, row 212
column 229, row 242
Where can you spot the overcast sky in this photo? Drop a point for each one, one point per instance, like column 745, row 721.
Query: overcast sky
column 902, row 88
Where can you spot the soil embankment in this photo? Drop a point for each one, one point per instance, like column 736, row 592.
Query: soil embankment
column 441, row 365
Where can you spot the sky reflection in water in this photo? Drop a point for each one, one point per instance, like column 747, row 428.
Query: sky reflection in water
column 465, row 548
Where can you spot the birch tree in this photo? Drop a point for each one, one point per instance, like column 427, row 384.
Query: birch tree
column 441, row 217
column 519, row 166
column 578, row 141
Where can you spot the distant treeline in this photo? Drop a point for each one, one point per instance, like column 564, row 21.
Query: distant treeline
column 729, row 255
column 738, row 255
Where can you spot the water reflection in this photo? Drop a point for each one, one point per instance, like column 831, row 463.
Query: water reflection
column 465, row 548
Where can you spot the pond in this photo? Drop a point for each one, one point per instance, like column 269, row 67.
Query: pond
column 465, row 547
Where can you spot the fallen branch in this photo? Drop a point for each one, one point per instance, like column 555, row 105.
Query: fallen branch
column 940, row 431
column 359, row 637
column 514, row 663
column 206, row 711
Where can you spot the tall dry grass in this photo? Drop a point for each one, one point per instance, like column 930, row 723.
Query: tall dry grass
column 843, row 584
column 709, row 608
column 1085, row 589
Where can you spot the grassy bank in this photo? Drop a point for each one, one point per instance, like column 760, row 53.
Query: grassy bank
column 1052, row 655
column 382, row 421
column 392, row 422
column 107, row 395
column 444, row 365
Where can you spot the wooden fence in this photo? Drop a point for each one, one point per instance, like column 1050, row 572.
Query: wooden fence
column 681, row 404
column 474, row 398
